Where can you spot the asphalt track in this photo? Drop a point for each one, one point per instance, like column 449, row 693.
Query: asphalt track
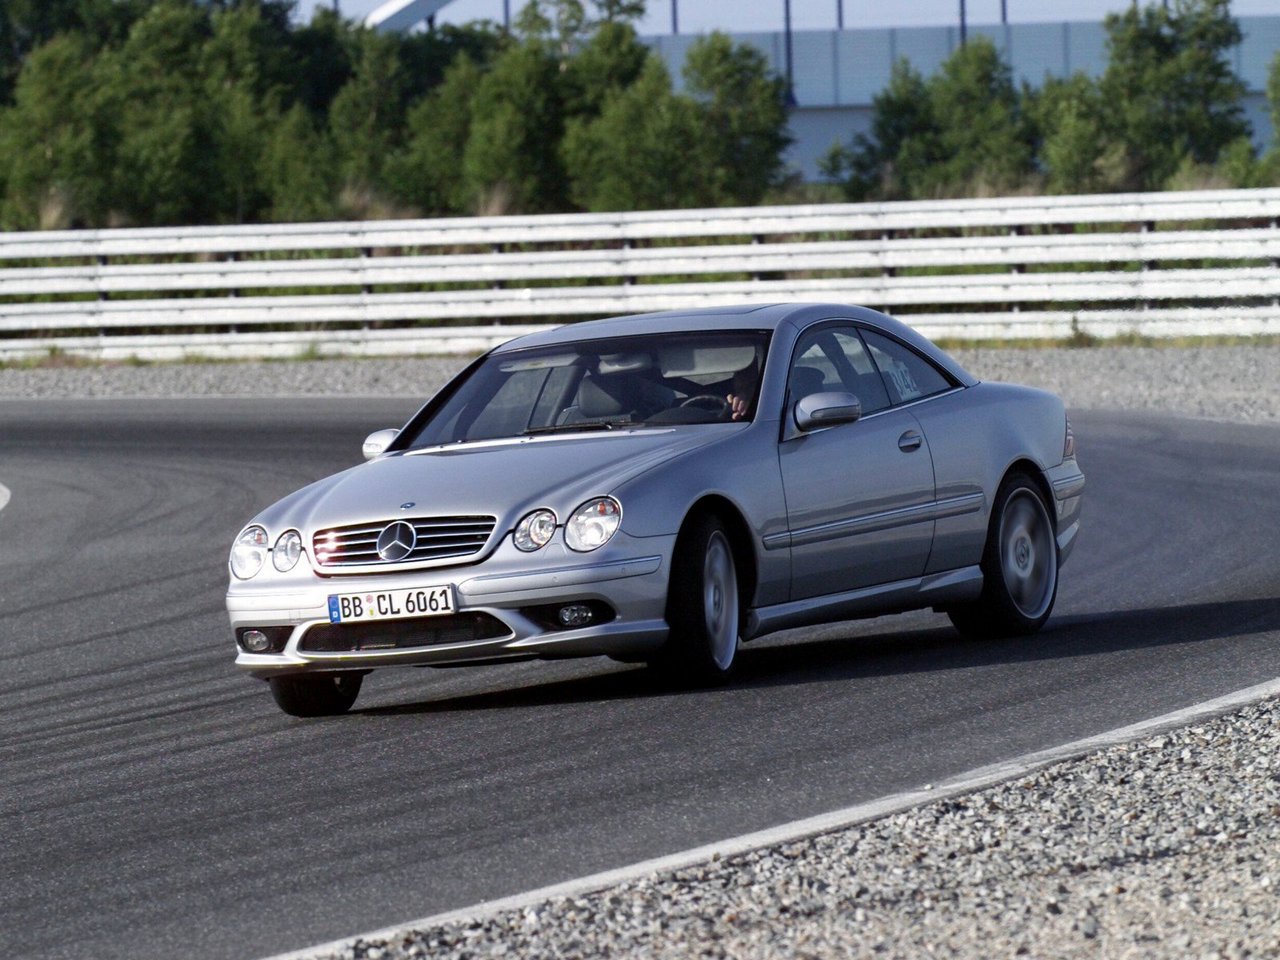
column 154, row 803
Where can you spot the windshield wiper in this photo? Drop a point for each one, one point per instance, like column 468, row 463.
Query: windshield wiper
column 579, row 427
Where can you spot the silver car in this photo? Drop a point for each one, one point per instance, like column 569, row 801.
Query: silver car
column 661, row 489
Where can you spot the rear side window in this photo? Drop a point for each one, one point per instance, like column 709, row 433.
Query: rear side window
column 907, row 375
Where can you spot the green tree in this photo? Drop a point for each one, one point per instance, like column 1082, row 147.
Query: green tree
column 556, row 24
column 619, row 11
column 983, row 137
column 1273, row 95
column 297, row 170
column 166, row 168
column 427, row 172
column 962, row 131
column 894, row 161
column 426, row 56
column 199, row 111
column 55, row 141
column 1169, row 87
column 366, row 117
column 610, row 60
column 512, row 158
column 24, row 26
column 1075, row 155
column 321, row 57
column 1267, row 172
column 744, row 116
column 644, row 150
column 27, row 24
column 236, row 71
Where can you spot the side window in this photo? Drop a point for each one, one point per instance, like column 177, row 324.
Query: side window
column 812, row 370
column 860, row 377
column 835, row 359
column 908, row 375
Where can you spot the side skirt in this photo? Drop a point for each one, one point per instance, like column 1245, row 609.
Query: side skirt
column 931, row 590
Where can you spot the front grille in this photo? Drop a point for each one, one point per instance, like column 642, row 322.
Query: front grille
column 403, row 634
column 436, row 538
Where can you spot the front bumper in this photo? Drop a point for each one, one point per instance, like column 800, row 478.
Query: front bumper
column 629, row 576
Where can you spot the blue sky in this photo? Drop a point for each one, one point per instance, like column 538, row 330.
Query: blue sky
column 697, row 16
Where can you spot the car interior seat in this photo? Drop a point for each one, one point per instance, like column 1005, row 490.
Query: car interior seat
column 806, row 380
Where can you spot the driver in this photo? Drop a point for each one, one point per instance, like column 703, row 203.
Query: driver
column 745, row 382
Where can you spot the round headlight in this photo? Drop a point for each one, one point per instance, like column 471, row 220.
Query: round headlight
column 533, row 532
column 592, row 524
column 287, row 551
column 249, row 552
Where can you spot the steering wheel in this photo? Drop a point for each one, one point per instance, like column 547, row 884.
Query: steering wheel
column 709, row 401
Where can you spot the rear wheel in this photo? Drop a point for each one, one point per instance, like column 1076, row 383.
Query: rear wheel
column 703, row 605
column 1019, row 566
column 316, row 695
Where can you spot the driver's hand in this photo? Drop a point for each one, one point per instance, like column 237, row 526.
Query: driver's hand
column 738, row 406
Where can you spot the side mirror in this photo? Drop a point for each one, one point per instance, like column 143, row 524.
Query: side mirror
column 826, row 410
column 378, row 441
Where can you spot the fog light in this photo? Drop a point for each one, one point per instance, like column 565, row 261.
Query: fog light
column 575, row 615
column 255, row 641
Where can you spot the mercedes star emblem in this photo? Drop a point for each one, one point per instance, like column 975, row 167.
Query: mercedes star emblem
column 396, row 541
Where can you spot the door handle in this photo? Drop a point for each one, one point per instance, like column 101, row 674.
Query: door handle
column 910, row 441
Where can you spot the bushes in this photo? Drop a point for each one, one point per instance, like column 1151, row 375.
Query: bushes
column 116, row 112
column 1165, row 112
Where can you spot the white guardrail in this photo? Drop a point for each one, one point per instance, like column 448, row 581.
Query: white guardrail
column 1167, row 264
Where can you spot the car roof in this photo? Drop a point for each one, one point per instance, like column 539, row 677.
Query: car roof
column 746, row 317
column 737, row 317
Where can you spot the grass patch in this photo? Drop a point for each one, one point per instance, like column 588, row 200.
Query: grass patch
column 54, row 359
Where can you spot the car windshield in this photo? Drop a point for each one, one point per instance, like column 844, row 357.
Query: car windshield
column 659, row 379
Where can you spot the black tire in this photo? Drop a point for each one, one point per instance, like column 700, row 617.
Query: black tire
column 704, row 609
column 1019, row 566
column 316, row 695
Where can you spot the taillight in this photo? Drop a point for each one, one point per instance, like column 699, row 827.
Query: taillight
column 1069, row 445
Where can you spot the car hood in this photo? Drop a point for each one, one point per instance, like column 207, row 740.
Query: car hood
column 504, row 479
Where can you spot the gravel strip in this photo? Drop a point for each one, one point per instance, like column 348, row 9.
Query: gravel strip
column 1165, row 847
column 301, row 378
column 1228, row 383
column 1239, row 383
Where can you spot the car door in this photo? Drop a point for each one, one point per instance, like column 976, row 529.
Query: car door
column 960, row 455
column 859, row 495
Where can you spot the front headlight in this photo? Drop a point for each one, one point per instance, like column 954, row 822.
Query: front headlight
column 249, row 552
column 535, row 530
column 592, row 524
column 288, row 549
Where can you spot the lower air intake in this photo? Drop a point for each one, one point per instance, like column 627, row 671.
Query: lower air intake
column 402, row 634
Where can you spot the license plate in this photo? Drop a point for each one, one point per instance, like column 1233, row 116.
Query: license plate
column 391, row 604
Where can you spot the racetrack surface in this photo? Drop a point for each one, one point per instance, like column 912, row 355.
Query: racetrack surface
column 155, row 803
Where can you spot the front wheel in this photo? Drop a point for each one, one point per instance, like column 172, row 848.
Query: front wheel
column 316, row 695
column 1019, row 566
column 703, row 606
